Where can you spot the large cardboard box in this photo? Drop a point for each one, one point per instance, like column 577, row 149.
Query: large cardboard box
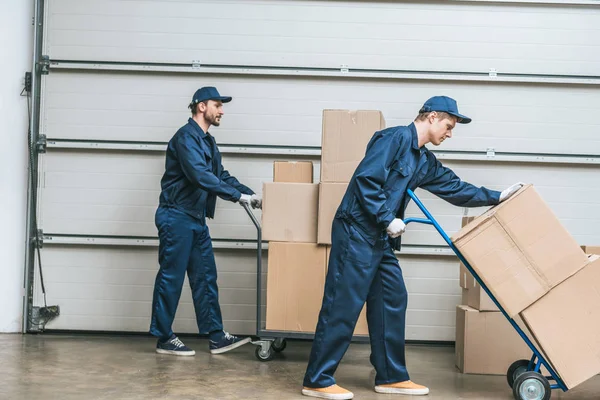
column 289, row 212
column 293, row 171
column 295, row 285
column 486, row 343
column 344, row 141
column 361, row 328
column 591, row 249
column 566, row 324
column 330, row 198
column 520, row 250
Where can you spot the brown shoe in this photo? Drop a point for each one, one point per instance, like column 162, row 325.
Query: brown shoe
column 333, row 392
column 406, row 387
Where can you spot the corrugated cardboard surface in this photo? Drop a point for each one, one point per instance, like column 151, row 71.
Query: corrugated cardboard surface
column 486, row 343
column 566, row 323
column 293, row 171
column 330, row 198
column 520, row 250
column 344, row 141
column 478, row 299
column 295, row 286
column 464, row 272
column 290, row 212
column 591, row 249
column 361, row 328
column 465, row 297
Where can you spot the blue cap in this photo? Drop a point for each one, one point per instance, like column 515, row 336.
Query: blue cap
column 444, row 104
column 209, row 93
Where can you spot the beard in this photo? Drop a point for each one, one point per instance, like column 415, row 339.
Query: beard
column 214, row 120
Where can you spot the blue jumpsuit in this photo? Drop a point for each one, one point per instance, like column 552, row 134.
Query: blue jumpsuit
column 362, row 264
column 193, row 178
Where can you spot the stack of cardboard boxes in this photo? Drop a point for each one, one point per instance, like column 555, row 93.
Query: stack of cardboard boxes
column 543, row 280
column 297, row 218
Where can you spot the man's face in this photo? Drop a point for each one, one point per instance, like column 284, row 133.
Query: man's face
column 213, row 111
column 440, row 129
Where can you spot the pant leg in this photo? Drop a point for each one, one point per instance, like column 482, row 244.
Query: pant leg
column 175, row 234
column 352, row 265
column 202, row 274
column 386, row 316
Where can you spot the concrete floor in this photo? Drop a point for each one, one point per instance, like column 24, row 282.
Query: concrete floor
column 127, row 368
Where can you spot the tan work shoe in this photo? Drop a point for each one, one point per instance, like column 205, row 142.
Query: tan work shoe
column 333, row 392
column 406, row 387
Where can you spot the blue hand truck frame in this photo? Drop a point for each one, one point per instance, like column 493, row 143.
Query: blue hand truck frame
column 523, row 376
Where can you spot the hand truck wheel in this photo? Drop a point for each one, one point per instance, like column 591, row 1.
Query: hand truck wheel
column 264, row 355
column 515, row 370
column 531, row 386
column 279, row 345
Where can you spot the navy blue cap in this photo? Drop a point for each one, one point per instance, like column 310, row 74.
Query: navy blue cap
column 444, row 104
column 209, row 93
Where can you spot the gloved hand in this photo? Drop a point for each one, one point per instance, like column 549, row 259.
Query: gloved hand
column 246, row 199
column 506, row 193
column 256, row 201
column 396, row 228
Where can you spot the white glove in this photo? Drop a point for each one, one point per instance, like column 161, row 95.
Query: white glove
column 506, row 193
column 396, row 228
column 256, row 201
column 246, row 199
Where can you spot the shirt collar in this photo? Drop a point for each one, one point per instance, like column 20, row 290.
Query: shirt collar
column 415, row 137
column 197, row 128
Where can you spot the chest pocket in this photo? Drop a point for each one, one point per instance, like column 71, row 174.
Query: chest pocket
column 400, row 173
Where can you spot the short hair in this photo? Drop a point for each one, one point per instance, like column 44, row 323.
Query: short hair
column 193, row 106
column 423, row 115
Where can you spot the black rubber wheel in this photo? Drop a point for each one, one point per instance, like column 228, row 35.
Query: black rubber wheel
column 279, row 345
column 531, row 386
column 516, row 369
column 264, row 355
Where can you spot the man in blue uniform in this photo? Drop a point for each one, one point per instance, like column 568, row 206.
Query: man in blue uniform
column 194, row 177
column 366, row 231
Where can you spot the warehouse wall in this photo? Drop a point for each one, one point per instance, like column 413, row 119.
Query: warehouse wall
column 16, row 35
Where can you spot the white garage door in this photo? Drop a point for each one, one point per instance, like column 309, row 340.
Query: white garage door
column 122, row 73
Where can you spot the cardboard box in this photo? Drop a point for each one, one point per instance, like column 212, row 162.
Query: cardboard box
column 477, row 298
column 591, row 249
column 486, row 343
column 290, row 212
column 566, row 324
column 293, row 171
column 361, row 328
column 465, row 297
column 464, row 272
column 520, row 250
column 295, row 286
column 344, row 141
column 330, row 198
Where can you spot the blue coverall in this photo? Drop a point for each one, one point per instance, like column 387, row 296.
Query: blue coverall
column 193, row 178
column 362, row 264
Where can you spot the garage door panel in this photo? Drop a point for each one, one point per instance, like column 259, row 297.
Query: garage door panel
column 375, row 35
column 288, row 111
column 572, row 199
column 110, row 288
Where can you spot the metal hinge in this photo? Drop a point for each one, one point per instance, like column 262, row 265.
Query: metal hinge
column 41, row 144
column 44, row 65
column 37, row 240
column 196, row 64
